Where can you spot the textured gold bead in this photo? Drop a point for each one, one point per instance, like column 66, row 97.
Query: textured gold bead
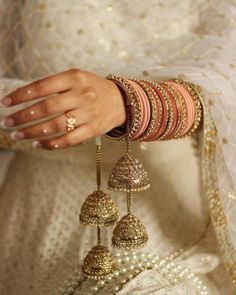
column 99, row 209
column 98, row 263
column 128, row 174
column 129, row 233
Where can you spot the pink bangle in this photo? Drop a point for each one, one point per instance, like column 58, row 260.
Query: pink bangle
column 165, row 109
column 169, row 135
column 189, row 103
column 145, row 109
column 159, row 113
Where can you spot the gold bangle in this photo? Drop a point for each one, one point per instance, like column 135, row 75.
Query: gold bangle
column 198, row 107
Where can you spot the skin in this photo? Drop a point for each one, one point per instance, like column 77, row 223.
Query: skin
column 95, row 102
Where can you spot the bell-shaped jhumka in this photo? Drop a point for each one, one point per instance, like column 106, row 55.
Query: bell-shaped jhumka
column 98, row 263
column 128, row 174
column 99, row 209
column 129, row 233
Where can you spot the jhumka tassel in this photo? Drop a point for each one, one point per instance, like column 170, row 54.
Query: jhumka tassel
column 99, row 210
column 129, row 175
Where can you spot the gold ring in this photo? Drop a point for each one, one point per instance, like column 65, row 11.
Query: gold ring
column 70, row 122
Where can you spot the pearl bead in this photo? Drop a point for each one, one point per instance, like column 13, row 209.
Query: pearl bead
column 124, row 269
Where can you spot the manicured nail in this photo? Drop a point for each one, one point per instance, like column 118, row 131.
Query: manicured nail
column 6, row 101
column 7, row 123
column 36, row 144
column 15, row 135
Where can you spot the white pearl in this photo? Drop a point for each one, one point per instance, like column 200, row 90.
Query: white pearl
column 32, row 112
column 119, row 260
column 116, row 288
column 124, row 269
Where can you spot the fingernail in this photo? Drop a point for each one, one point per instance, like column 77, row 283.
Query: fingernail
column 6, row 101
column 7, row 123
column 15, row 135
column 36, row 144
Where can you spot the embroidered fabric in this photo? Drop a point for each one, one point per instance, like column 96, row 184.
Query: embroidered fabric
column 42, row 191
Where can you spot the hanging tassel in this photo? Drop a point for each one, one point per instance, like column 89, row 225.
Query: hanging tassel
column 99, row 210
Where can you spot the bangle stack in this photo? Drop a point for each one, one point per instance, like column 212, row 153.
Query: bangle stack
column 158, row 110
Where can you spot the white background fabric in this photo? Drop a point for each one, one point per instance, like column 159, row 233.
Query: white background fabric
column 142, row 39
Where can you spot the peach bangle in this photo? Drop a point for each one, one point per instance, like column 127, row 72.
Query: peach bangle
column 145, row 109
column 165, row 108
column 182, row 110
column 189, row 103
column 156, row 111
column 175, row 114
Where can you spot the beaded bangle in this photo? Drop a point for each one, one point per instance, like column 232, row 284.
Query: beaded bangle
column 175, row 115
column 170, row 111
column 198, row 107
column 156, row 110
column 165, row 108
column 145, row 109
column 132, row 100
column 181, row 124
column 189, row 104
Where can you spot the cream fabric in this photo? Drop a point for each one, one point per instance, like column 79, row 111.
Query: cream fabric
column 42, row 193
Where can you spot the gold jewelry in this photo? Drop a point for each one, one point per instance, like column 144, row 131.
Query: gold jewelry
column 198, row 107
column 70, row 122
column 129, row 175
column 98, row 210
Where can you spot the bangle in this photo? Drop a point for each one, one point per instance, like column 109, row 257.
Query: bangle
column 181, row 124
column 145, row 109
column 131, row 101
column 156, row 110
column 198, row 107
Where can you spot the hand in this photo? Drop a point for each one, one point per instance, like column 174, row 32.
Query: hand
column 95, row 103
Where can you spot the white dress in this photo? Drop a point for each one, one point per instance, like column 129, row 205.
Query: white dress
column 42, row 191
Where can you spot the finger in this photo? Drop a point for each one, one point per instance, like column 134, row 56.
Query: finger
column 48, row 107
column 71, row 138
column 43, row 87
column 50, row 127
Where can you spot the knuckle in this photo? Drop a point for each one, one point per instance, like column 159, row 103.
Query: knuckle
column 46, row 107
column 58, row 126
column 79, row 76
column 93, row 129
column 90, row 94
column 38, row 86
column 75, row 72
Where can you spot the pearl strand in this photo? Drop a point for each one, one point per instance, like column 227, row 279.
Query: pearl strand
column 129, row 266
